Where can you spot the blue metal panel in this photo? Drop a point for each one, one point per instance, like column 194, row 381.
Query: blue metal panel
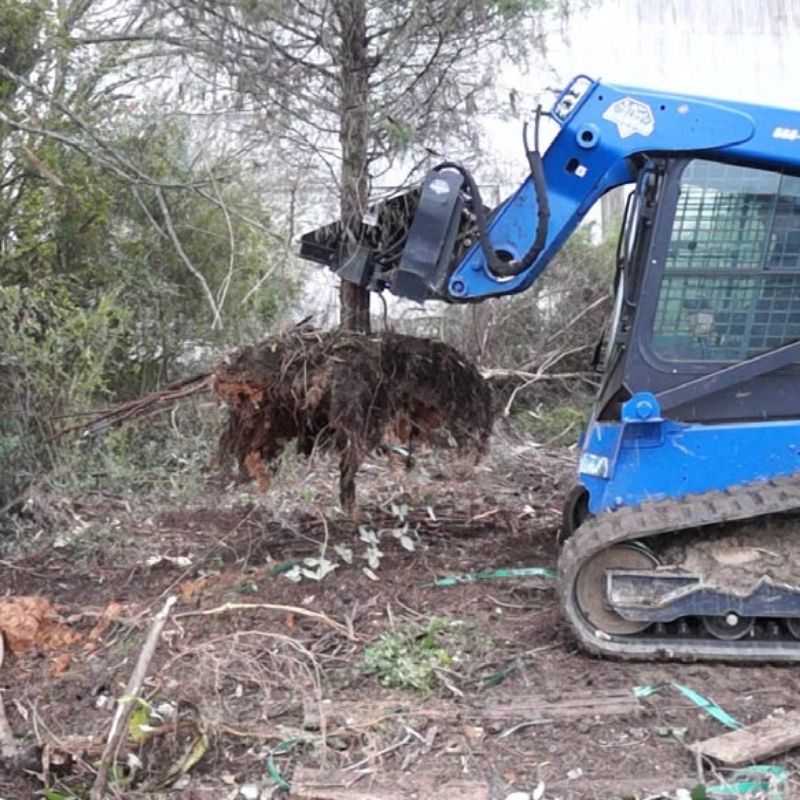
column 646, row 457
column 643, row 457
column 605, row 127
column 776, row 135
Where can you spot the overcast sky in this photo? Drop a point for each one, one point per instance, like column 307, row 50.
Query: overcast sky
column 728, row 49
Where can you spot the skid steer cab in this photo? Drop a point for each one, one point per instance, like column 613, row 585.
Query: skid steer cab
column 680, row 538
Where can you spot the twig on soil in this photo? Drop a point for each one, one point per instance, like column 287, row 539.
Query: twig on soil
column 125, row 704
column 304, row 612
column 698, row 761
column 8, row 746
column 263, row 734
column 528, row 723
column 408, row 738
column 15, row 568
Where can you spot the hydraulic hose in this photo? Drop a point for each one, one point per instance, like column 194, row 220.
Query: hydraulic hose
column 496, row 265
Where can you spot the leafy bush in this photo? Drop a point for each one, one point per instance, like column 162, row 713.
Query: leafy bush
column 97, row 305
column 406, row 659
column 556, row 425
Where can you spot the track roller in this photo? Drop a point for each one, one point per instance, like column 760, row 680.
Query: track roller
column 729, row 627
column 590, row 587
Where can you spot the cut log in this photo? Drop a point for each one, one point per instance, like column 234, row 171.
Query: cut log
column 355, row 714
column 326, row 784
column 773, row 735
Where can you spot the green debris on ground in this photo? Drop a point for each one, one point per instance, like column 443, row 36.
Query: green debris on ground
column 503, row 573
column 409, row 659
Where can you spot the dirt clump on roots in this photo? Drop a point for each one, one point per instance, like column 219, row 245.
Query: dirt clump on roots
column 349, row 394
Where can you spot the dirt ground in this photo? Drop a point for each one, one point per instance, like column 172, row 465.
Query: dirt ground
column 341, row 680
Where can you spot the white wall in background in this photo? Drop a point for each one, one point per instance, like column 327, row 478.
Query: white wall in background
column 739, row 49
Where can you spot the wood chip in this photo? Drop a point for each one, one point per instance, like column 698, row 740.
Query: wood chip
column 326, row 784
column 773, row 735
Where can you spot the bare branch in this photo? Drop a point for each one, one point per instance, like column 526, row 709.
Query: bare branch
column 125, row 704
column 217, row 318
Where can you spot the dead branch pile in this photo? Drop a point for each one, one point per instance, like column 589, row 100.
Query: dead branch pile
column 348, row 394
column 140, row 407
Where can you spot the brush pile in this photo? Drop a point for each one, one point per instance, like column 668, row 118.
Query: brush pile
column 348, row 394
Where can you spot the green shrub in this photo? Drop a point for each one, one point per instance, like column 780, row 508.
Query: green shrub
column 557, row 425
column 406, row 659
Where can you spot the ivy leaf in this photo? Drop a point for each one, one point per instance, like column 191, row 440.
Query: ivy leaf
column 138, row 726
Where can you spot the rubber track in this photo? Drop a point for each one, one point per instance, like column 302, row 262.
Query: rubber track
column 747, row 501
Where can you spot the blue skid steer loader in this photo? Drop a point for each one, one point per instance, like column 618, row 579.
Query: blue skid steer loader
column 680, row 538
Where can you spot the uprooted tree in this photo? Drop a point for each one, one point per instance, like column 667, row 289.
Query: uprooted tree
column 336, row 391
column 347, row 394
column 359, row 88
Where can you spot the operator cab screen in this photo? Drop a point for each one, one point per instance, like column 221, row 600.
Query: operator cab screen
column 731, row 283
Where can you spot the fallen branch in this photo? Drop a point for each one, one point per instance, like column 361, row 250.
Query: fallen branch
column 8, row 746
column 125, row 705
column 303, row 612
column 768, row 737
column 535, row 377
column 161, row 400
column 541, row 373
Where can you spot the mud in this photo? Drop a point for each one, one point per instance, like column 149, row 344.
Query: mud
column 734, row 558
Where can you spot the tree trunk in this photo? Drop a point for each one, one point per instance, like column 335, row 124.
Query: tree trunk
column 354, row 122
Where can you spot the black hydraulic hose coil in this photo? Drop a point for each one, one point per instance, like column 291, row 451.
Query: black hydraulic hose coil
column 496, row 265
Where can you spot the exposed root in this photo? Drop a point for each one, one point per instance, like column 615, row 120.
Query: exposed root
column 348, row 394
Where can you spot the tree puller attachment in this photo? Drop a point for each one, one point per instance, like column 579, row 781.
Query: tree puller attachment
column 681, row 536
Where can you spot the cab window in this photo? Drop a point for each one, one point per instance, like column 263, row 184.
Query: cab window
column 731, row 283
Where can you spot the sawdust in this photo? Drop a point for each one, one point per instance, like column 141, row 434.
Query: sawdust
column 33, row 625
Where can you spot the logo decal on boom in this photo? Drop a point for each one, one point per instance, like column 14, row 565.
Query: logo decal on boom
column 789, row 134
column 630, row 116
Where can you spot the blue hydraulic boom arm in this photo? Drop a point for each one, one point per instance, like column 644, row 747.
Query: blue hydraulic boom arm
column 602, row 129
column 605, row 133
